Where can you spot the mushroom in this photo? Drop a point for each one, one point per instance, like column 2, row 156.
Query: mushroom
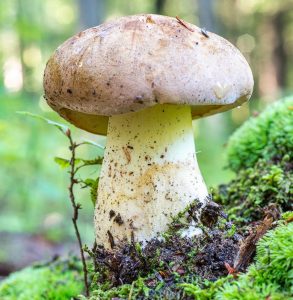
column 141, row 80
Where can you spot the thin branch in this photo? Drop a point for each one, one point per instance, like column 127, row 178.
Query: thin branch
column 94, row 250
column 76, row 207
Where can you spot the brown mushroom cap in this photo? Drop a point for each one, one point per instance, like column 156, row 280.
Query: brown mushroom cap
column 140, row 61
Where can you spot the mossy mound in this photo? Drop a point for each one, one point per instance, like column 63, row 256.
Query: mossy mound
column 261, row 154
column 58, row 280
column 267, row 136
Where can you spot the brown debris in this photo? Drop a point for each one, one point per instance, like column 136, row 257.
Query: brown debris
column 118, row 219
column 150, row 20
column 248, row 246
column 204, row 32
column 111, row 214
column 231, row 270
column 127, row 154
column 126, row 263
column 210, row 214
column 111, row 239
column 210, row 256
column 181, row 22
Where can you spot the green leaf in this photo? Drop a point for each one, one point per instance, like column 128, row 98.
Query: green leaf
column 62, row 162
column 93, row 185
column 63, row 128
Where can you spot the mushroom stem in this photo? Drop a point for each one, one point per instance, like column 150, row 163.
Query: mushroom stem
column 149, row 174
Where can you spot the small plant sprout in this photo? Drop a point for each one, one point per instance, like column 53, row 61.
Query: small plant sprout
column 141, row 80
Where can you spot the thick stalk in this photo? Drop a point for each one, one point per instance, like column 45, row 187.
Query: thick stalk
column 149, row 174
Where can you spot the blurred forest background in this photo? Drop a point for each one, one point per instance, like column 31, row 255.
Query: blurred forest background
column 35, row 214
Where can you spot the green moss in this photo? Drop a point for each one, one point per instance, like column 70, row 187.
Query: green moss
column 137, row 288
column 269, row 136
column 275, row 256
column 255, row 187
column 54, row 281
column 271, row 275
column 261, row 153
column 287, row 216
column 204, row 290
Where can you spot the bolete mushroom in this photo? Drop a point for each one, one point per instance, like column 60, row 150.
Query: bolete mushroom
column 141, row 80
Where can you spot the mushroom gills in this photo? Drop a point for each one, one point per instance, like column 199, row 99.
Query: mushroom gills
column 149, row 174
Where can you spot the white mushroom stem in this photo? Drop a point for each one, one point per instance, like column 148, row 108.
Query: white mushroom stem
column 149, row 174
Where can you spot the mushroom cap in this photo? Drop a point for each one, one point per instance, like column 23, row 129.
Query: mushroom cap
column 139, row 61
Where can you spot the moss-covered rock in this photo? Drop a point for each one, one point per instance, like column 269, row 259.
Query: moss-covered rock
column 59, row 280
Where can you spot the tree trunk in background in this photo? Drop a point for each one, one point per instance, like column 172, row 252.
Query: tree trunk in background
column 91, row 13
column 206, row 15
column 159, row 6
column 279, row 53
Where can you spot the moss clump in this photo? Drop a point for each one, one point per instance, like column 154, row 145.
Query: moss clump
column 261, row 152
column 59, row 280
column 245, row 197
column 268, row 137
column 271, row 276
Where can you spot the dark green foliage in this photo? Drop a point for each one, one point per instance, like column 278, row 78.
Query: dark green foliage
column 59, row 280
column 268, row 136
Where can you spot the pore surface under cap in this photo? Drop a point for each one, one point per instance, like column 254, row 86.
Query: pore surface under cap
column 140, row 61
